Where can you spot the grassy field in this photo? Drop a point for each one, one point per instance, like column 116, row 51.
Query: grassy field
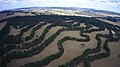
column 52, row 32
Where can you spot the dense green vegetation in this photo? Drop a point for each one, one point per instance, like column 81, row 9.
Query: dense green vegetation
column 9, row 43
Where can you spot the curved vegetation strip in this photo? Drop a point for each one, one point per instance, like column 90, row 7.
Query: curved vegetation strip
column 9, row 48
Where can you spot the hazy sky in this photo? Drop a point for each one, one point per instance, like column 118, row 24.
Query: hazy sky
column 110, row 5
